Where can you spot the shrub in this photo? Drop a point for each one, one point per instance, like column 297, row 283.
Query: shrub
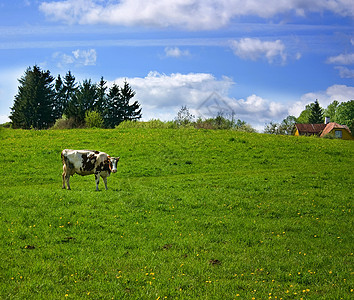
column 93, row 119
column 129, row 124
column 245, row 128
column 6, row 125
column 330, row 136
column 64, row 123
column 154, row 123
column 184, row 117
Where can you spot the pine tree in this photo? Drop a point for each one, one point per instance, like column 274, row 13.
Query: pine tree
column 84, row 101
column 33, row 105
column 39, row 103
column 118, row 107
column 101, row 103
column 69, row 90
column 59, row 99
column 316, row 116
column 114, row 111
column 131, row 112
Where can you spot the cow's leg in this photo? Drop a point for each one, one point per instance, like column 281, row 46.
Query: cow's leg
column 67, row 178
column 105, row 182
column 97, row 179
column 63, row 177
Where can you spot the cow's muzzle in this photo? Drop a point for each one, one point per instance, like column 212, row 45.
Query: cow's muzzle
column 114, row 171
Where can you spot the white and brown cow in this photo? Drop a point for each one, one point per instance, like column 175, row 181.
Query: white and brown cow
column 86, row 162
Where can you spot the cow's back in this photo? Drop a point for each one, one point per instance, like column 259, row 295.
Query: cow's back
column 83, row 162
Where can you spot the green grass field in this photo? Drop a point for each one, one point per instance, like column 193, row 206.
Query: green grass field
column 190, row 214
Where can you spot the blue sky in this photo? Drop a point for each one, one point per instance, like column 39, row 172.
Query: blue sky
column 262, row 60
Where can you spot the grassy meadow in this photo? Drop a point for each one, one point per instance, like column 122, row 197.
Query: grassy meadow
column 190, row 214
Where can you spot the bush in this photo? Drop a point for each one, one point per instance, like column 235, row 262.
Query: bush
column 154, row 123
column 129, row 124
column 212, row 123
column 184, row 117
column 93, row 119
column 330, row 136
column 6, row 125
column 223, row 123
column 64, row 123
column 245, row 128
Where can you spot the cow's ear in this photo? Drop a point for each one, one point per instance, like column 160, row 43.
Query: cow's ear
column 108, row 156
column 118, row 158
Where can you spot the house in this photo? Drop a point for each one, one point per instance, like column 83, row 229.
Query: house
column 309, row 129
column 337, row 131
column 321, row 130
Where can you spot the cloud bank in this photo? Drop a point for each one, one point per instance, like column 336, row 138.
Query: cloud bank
column 188, row 14
column 161, row 96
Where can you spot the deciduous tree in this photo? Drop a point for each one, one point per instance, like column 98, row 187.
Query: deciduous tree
column 345, row 114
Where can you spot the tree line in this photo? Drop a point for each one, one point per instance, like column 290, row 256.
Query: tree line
column 341, row 113
column 43, row 100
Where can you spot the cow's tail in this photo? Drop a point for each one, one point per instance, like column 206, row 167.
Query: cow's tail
column 63, row 157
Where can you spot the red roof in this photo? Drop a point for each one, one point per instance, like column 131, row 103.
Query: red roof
column 333, row 125
column 310, row 129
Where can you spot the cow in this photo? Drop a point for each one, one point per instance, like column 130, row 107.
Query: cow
column 86, row 162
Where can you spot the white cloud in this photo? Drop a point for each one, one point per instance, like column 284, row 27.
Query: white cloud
column 256, row 109
column 189, row 14
column 174, row 90
column 76, row 57
column 345, row 72
column 176, row 52
column 86, row 57
column 254, row 49
column 161, row 96
column 342, row 59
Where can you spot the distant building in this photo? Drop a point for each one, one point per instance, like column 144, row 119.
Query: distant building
column 338, row 131
column 321, row 130
column 309, row 129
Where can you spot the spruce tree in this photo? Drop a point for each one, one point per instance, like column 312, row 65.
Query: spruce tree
column 69, row 90
column 59, row 99
column 131, row 112
column 316, row 115
column 101, row 103
column 83, row 101
column 33, row 105
column 119, row 108
column 114, row 113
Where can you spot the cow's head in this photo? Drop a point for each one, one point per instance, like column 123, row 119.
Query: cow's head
column 113, row 161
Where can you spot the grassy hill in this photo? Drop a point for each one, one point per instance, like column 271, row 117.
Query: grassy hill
column 190, row 214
